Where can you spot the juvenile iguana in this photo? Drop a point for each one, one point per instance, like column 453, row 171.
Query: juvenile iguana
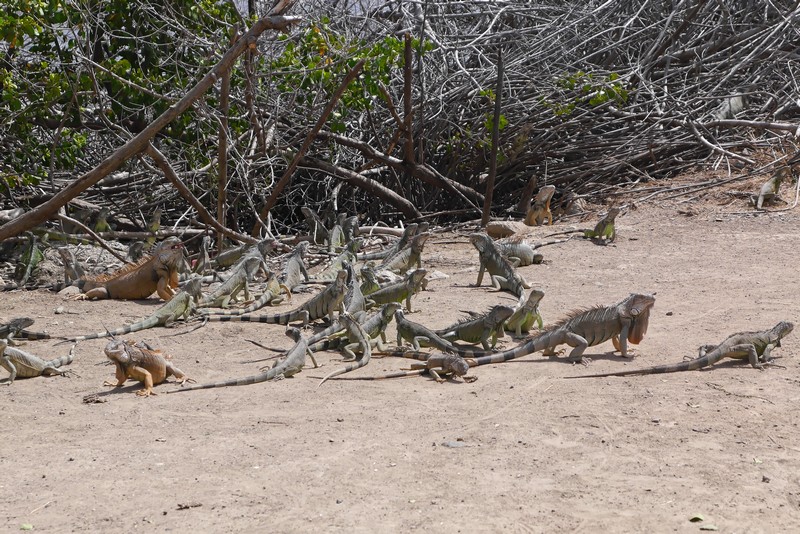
column 142, row 363
column 291, row 365
column 399, row 291
column 21, row 364
column 320, row 305
column 155, row 273
column 405, row 259
column 374, row 326
column 604, row 231
column 203, row 262
column 348, row 255
column 180, row 306
column 369, row 281
column 233, row 285
column 502, row 274
column 519, row 254
column 319, row 234
column 294, row 272
column 483, row 329
column 526, row 315
column 421, row 336
column 755, row 347
column 72, row 269
column 769, row 191
column 539, row 211
column 16, row 329
column 336, row 239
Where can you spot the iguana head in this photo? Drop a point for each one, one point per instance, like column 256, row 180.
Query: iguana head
column 419, row 240
column 194, row 286
column 637, row 307
column 782, row 329
column 534, row 297
column 417, row 276
column 293, row 333
column 117, row 351
column 251, row 266
column 388, row 310
column 170, row 251
column 455, row 364
column 479, row 241
column 500, row 313
column 302, row 248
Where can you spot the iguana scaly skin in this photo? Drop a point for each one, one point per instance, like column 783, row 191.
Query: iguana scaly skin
column 400, row 291
column 755, row 347
column 336, row 239
column 396, row 247
column 16, row 329
column 369, row 281
column 769, row 191
column 350, row 228
column 421, row 336
column 355, row 332
column 483, row 329
column 526, row 315
column 348, row 255
column 180, row 306
column 271, row 295
column 141, row 363
column 540, row 210
column 233, row 285
column 623, row 322
column 501, row 273
column 292, row 364
column 374, row 326
column 22, row 364
column 354, row 303
column 294, row 272
column 410, row 256
column 155, row 273
column 519, row 254
column 203, row 262
column 321, row 305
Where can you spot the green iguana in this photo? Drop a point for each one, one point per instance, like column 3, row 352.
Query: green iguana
column 73, row 270
column 142, row 363
column 604, row 231
column 16, row 329
column 399, row 291
column 623, row 322
column 436, row 365
column 233, row 285
column 292, row 364
column 769, row 191
column 319, row 234
column 22, row 364
column 409, row 232
column 294, row 272
column 483, row 329
column 320, row 305
column 369, row 281
column 755, row 347
column 155, row 273
column 357, row 333
column 527, row 314
column 374, row 326
column 407, row 258
column 348, row 255
column 501, row 273
column 271, row 295
column 180, row 306
column 519, row 254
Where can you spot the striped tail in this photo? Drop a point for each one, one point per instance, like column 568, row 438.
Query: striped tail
column 276, row 318
column 259, row 303
column 254, row 379
column 64, row 360
column 143, row 325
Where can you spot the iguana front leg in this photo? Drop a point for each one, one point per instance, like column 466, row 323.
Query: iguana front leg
column 9, row 366
column 141, row 374
column 120, row 376
column 163, row 289
column 480, row 274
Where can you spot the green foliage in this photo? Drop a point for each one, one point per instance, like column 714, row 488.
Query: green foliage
column 593, row 89
column 314, row 63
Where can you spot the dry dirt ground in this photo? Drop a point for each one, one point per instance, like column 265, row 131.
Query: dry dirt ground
column 520, row 449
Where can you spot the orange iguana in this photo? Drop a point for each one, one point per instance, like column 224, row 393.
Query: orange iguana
column 156, row 272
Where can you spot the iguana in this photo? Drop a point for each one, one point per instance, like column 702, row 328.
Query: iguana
column 369, row 281
column 435, row 365
column 519, row 254
column 501, row 273
column 421, row 336
column 135, row 252
column 233, row 285
column 354, row 332
column 142, row 363
column 397, row 246
column 336, row 239
column 271, row 295
column 155, row 273
column 153, row 226
column 405, row 259
column 526, row 315
column 623, row 322
column 348, row 255
column 72, row 269
column 604, row 231
column 374, row 326
column 16, row 329
column 203, row 261
column 29, row 260
column 294, row 272
column 25, row 365
column 320, row 305
column 319, row 234
column 483, row 329
column 755, row 347
column 769, row 191
column 354, row 303
column 539, row 211
column 291, row 365
column 399, row 291
column 180, row 306
column 350, row 228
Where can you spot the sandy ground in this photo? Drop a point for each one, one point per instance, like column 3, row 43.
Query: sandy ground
column 519, row 450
